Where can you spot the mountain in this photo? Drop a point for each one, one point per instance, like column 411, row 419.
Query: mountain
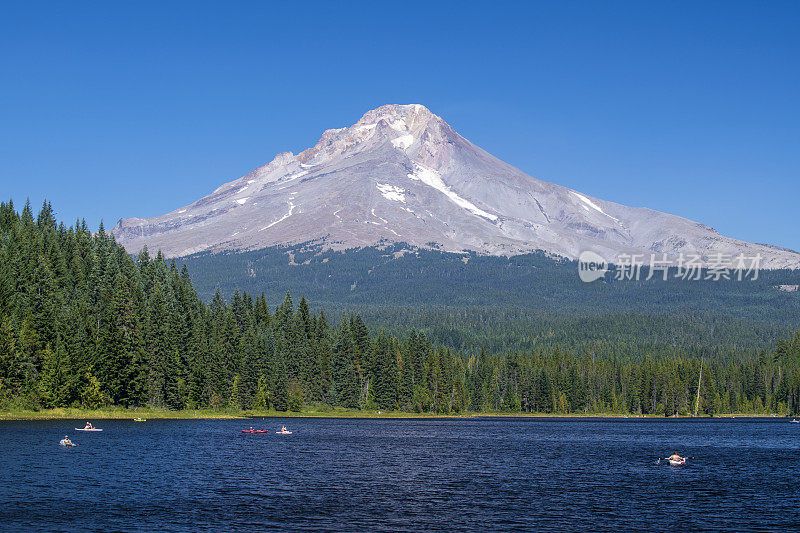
column 402, row 174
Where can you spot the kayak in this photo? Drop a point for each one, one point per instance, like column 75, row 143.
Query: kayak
column 794, row 421
column 66, row 444
column 255, row 431
column 673, row 462
column 140, row 420
column 87, row 429
column 283, row 432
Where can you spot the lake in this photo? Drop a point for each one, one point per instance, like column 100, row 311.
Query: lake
column 403, row 474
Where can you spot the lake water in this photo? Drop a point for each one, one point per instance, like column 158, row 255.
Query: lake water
column 395, row 475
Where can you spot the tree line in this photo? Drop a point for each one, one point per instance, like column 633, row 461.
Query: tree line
column 520, row 292
column 83, row 323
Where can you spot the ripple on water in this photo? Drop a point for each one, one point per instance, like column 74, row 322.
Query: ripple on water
column 403, row 475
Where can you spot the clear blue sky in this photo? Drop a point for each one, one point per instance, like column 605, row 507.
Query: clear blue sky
column 114, row 109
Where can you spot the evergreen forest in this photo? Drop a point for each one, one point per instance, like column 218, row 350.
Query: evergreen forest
column 85, row 324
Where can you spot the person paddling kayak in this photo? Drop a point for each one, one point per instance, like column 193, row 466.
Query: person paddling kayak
column 65, row 441
column 88, row 426
column 676, row 460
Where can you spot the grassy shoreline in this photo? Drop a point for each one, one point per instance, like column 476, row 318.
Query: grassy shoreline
column 150, row 414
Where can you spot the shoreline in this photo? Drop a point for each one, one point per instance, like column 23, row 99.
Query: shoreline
column 205, row 414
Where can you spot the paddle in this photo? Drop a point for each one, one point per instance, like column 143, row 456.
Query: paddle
column 658, row 462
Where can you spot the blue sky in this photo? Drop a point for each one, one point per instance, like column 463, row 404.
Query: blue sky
column 114, row 109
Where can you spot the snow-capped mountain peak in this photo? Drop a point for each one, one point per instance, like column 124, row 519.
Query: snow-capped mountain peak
column 401, row 125
column 402, row 174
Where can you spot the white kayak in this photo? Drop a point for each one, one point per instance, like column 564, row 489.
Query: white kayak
column 87, row 429
column 283, row 432
column 673, row 462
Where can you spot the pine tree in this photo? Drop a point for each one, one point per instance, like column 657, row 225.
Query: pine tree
column 280, row 393
column 262, row 398
column 56, row 381
column 92, row 396
column 234, row 401
column 344, row 383
column 385, row 373
column 321, row 376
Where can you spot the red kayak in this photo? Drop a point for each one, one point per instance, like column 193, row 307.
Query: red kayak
column 255, row 431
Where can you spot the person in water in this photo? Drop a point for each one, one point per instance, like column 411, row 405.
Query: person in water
column 675, row 457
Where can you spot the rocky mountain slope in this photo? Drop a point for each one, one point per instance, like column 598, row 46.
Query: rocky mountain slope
column 402, row 174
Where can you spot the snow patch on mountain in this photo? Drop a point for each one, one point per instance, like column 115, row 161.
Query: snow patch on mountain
column 390, row 192
column 591, row 204
column 294, row 176
column 403, row 142
column 434, row 179
column 284, row 217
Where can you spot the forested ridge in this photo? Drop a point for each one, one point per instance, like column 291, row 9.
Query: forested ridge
column 469, row 301
column 82, row 323
column 397, row 274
